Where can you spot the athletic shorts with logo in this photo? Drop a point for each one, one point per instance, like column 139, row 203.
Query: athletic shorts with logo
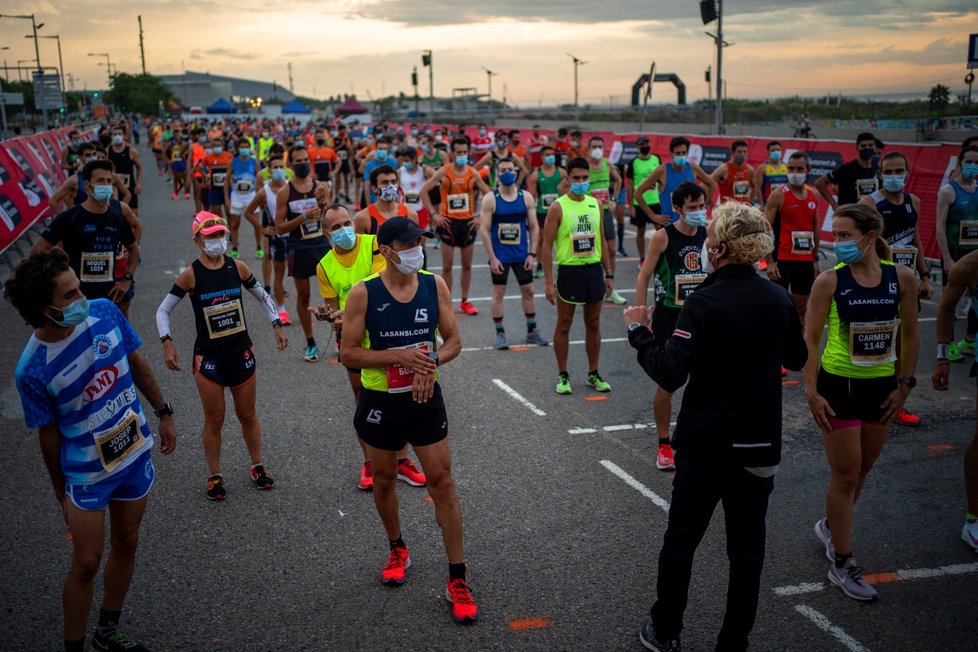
column 389, row 421
column 226, row 369
column 458, row 233
column 131, row 483
column 523, row 276
column 580, row 284
column 855, row 399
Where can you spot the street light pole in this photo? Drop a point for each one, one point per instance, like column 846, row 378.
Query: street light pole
column 577, row 63
column 490, row 74
column 108, row 65
column 720, row 45
column 37, row 49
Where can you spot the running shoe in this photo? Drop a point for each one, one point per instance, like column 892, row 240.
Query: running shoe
column 173, row 196
column 597, row 382
column 825, row 536
column 284, row 318
column 233, row 253
column 665, row 461
column 621, row 251
column 398, row 562
column 468, row 308
column 115, row 640
column 907, row 418
column 215, row 487
column 186, row 195
column 463, row 607
column 311, row 354
column 409, row 473
column 652, row 642
column 501, row 342
column 641, row 263
column 563, row 383
column 849, row 578
column 437, row 244
column 970, row 534
column 366, row 477
column 967, row 347
column 259, row 253
column 538, row 338
column 539, row 272
column 259, row 475
column 616, row 298
column 784, row 372
column 954, row 353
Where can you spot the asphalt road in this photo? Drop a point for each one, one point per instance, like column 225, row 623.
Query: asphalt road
column 563, row 507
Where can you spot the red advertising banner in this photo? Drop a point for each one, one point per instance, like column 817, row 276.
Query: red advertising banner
column 30, row 172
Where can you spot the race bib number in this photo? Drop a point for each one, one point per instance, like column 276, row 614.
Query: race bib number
column 124, row 178
column 400, row 379
column 412, row 198
column 865, row 187
column 224, row 319
column 871, row 343
column 217, row 178
column 548, row 199
column 686, row 284
column 118, row 443
column 968, row 233
column 905, row 256
column 741, row 189
column 243, row 186
column 458, row 203
column 802, row 242
column 583, row 244
column 509, row 233
column 602, row 195
column 96, row 267
column 342, row 154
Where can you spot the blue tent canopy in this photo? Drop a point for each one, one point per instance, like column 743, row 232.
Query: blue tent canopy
column 295, row 106
column 221, row 106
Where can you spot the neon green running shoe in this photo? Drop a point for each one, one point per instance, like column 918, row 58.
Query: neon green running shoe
column 954, row 353
column 616, row 298
column 966, row 347
column 597, row 382
column 563, row 383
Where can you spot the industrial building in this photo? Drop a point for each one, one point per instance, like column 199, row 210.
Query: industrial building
column 203, row 89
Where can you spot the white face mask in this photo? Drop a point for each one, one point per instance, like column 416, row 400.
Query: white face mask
column 705, row 261
column 215, row 247
column 797, row 180
column 411, row 260
column 597, row 152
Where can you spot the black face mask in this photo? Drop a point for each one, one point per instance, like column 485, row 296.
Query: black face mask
column 867, row 153
column 320, row 141
column 301, row 170
column 645, row 150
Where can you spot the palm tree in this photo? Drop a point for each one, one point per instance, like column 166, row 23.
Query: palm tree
column 939, row 97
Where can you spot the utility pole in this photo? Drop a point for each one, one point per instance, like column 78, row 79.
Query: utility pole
column 577, row 63
column 142, row 52
column 417, row 98
column 428, row 60
column 720, row 45
column 291, row 84
column 490, row 74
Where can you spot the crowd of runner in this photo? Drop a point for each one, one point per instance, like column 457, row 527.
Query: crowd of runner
column 355, row 206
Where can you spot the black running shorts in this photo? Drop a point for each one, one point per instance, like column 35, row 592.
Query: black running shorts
column 389, row 421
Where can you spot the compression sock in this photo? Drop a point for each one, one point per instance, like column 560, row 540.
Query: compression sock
column 310, row 341
column 456, row 571
column 621, row 233
column 498, row 321
column 531, row 321
column 397, row 543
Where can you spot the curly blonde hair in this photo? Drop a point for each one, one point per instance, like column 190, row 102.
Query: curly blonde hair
column 744, row 230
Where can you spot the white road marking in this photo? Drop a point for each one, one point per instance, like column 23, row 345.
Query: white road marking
column 519, row 397
column 615, row 428
column 826, row 626
column 798, row 589
column 658, row 500
column 898, row 576
column 581, row 431
column 606, row 340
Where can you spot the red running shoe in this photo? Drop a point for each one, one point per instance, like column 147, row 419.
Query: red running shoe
column 907, row 418
column 284, row 318
column 463, row 607
column 665, row 461
column 409, row 473
column 398, row 562
column 366, row 477
column 784, row 372
column 468, row 308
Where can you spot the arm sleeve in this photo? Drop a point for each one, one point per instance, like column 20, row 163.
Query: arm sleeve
column 255, row 288
column 669, row 365
column 170, row 301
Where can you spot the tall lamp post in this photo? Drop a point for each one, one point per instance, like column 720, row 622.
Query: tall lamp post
column 490, row 74
column 61, row 67
column 577, row 64
column 108, row 65
column 37, row 49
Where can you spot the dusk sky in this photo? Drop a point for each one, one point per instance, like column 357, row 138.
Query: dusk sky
column 342, row 46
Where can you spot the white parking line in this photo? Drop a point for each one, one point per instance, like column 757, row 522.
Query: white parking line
column 826, row 626
column 658, row 500
column 519, row 397
column 614, row 428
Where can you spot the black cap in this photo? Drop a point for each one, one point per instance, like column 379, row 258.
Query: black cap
column 400, row 229
column 642, row 139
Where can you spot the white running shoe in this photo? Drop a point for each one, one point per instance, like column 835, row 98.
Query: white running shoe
column 849, row 578
column 825, row 536
column 969, row 534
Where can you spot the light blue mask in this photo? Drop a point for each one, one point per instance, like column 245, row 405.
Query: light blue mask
column 695, row 219
column 462, row 160
column 344, row 237
column 73, row 314
column 408, row 165
column 102, row 194
column 679, row 161
column 381, row 155
column 278, row 174
column 848, row 251
column 244, row 152
column 580, row 188
column 549, row 160
column 776, row 155
column 969, row 171
column 894, row 183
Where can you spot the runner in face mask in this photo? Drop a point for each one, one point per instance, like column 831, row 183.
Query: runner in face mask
column 223, row 353
column 383, row 185
column 855, row 179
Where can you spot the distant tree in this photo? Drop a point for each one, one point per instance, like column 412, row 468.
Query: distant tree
column 137, row 93
column 939, row 97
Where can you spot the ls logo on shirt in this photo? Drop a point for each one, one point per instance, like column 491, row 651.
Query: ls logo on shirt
column 421, row 315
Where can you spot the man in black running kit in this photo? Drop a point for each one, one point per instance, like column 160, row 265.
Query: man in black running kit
column 128, row 166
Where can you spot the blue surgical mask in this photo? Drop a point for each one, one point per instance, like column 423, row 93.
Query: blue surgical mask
column 408, row 165
column 73, row 314
column 344, row 237
column 102, row 194
column 549, row 160
column 969, row 171
column 507, row 178
column 244, row 152
column 894, row 182
column 218, row 150
column 381, row 155
column 695, row 219
column 461, row 160
column 848, row 251
column 425, row 149
column 776, row 155
column 580, row 188
column 278, row 174
column 679, row 161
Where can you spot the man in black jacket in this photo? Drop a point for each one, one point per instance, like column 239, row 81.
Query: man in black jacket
column 732, row 337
